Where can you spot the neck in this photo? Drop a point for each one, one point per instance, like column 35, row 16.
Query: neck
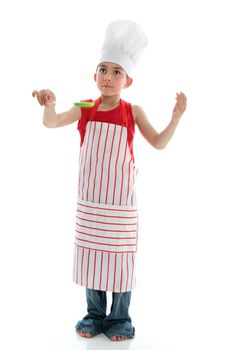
column 110, row 101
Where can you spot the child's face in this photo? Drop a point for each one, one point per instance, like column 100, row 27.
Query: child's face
column 111, row 79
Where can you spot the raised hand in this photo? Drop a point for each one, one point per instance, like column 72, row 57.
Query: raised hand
column 45, row 97
column 180, row 106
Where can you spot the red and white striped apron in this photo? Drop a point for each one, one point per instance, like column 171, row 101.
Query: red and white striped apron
column 106, row 220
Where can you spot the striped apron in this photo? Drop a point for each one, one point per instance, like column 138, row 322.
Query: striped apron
column 106, row 220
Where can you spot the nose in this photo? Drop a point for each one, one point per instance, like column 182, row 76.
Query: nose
column 108, row 77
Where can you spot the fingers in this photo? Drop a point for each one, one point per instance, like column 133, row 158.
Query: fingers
column 37, row 94
column 180, row 95
column 181, row 102
column 180, row 105
column 181, row 99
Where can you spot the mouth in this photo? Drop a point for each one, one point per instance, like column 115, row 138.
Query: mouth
column 107, row 86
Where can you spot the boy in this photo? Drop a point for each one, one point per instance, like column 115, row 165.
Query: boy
column 106, row 234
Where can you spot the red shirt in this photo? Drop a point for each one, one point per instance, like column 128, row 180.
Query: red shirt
column 113, row 116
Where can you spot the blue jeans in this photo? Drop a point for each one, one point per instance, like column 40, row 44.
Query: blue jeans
column 117, row 323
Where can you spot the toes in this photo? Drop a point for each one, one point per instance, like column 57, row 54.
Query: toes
column 118, row 338
column 85, row 334
column 82, row 334
column 88, row 335
column 122, row 338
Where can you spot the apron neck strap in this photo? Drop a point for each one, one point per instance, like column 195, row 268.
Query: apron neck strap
column 124, row 113
column 94, row 109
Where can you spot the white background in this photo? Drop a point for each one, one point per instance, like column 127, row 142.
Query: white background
column 180, row 301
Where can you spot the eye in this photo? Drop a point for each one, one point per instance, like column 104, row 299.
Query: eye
column 117, row 72
column 102, row 70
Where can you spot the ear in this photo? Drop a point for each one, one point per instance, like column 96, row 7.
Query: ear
column 128, row 83
column 95, row 77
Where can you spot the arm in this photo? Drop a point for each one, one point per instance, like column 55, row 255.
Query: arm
column 51, row 119
column 159, row 140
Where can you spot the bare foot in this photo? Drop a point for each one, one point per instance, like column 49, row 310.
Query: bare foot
column 85, row 334
column 118, row 338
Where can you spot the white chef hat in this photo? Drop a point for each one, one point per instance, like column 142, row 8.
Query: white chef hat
column 123, row 44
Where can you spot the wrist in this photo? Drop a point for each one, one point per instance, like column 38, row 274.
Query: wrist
column 50, row 105
column 175, row 120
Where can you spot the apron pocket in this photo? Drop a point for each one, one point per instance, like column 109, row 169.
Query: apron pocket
column 105, row 227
